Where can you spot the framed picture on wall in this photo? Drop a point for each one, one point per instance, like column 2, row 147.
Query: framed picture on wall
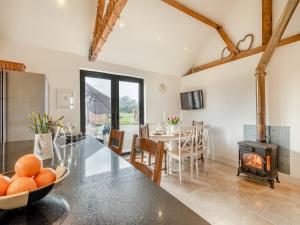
column 65, row 98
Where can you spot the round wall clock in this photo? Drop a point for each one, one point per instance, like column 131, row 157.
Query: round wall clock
column 162, row 88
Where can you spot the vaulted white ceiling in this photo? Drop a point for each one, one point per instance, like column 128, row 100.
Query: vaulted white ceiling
column 155, row 36
column 64, row 25
column 159, row 38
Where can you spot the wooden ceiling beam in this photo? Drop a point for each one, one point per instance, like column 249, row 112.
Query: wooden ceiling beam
column 266, row 21
column 206, row 21
column 227, row 40
column 241, row 55
column 99, row 17
column 283, row 22
column 191, row 13
column 104, row 24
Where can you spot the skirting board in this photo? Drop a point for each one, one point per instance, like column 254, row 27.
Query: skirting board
column 288, row 178
column 223, row 160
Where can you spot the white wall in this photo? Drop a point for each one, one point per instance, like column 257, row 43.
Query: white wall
column 229, row 89
column 283, row 97
column 229, row 92
column 62, row 70
column 229, row 99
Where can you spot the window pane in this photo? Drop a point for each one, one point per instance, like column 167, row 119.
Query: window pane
column 129, row 111
column 98, row 107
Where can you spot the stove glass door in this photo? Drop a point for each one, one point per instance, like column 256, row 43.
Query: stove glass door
column 253, row 160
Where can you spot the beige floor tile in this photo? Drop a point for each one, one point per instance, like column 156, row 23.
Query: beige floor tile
column 220, row 197
column 239, row 217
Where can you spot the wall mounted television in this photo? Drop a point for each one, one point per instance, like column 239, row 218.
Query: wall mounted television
column 192, row 100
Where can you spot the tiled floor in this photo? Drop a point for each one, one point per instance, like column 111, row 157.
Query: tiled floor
column 221, row 197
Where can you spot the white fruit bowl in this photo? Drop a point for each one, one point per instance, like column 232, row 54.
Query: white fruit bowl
column 24, row 199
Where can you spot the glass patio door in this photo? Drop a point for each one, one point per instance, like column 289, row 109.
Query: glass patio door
column 129, row 111
column 98, row 107
column 111, row 101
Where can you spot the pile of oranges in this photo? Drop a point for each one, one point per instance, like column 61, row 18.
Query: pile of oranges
column 29, row 176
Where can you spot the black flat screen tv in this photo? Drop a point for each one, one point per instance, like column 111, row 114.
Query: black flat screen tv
column 192, row 100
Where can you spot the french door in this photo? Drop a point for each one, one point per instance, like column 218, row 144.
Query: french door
column 111, row 101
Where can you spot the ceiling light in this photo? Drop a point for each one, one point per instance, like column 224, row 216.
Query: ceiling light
column 159, row 214
column 121, row 24
column 158, row 38
column 60, row 2
column 186, row 49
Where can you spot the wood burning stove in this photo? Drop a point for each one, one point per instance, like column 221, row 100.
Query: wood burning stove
column 258, row 160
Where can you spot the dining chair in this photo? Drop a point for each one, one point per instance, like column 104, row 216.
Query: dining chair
column 144, row 130
column 185, row 150
column 153, row 148
column 144, row 133
column 115, row 142
column 197, row 123
column 201, row 144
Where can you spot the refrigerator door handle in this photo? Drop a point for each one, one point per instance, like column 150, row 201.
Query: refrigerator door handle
column 4, row 105
column 1, row 106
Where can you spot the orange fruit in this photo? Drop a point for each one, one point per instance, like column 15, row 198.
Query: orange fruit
column 21, row 184
column 4, row 184
column 14, row 177
column 45, row 177
column 28, row 165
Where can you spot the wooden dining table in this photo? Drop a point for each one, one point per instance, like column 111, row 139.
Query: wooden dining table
column 164, row 137
column 170, row 139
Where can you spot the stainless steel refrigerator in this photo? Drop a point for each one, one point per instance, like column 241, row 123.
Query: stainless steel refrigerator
column 20, row 94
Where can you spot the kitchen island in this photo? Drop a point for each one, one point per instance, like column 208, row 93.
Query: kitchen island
column 102, row 188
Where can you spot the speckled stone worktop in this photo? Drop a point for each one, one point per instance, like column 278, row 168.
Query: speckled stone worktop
column 102, row 188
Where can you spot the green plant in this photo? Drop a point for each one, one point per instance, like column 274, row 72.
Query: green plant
column 173, row 120
column 43, row 123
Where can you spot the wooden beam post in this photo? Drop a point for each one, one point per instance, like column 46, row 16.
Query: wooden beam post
column 266, row 21
column 278, row 32
column 262, row 65
column 105, row 24
column 206, row 21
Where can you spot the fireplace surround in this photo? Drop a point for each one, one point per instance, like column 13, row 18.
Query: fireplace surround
column 259, row 160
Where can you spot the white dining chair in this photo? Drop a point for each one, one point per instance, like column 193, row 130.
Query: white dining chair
column 185, row 150
column 201, row 144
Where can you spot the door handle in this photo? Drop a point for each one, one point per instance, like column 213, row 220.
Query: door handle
column 112, row 120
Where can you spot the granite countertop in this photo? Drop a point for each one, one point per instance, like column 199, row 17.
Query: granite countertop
column 102, row 188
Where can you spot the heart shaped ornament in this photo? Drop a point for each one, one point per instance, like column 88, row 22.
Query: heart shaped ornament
column 225, row 53
column 246, row 43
